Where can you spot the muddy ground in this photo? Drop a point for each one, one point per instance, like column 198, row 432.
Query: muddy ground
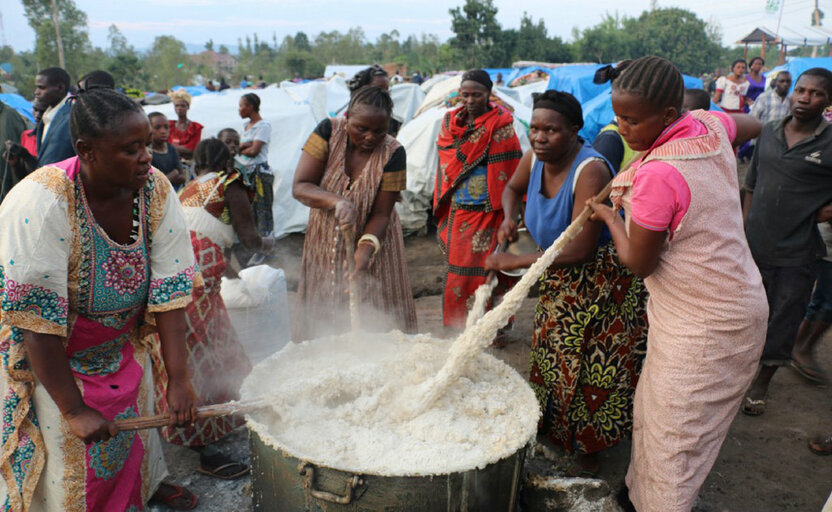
column 764, row 466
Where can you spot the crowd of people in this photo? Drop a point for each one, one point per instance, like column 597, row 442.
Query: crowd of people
column 668, row 313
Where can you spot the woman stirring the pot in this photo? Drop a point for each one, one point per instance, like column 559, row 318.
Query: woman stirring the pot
column 707, row 310
column 81, row 282
column 350, row 173
column 558, row 175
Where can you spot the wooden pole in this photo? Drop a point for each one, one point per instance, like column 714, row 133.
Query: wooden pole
column 61, row 60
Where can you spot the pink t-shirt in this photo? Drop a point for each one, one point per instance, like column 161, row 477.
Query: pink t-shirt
column 661, row 196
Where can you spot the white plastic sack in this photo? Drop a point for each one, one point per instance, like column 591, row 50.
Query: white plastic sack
column 258, row 305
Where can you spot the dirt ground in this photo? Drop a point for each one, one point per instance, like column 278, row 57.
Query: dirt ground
column 764, row 465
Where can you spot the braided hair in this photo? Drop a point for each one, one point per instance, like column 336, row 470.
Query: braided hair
column 653, row 78
column 253, row 100
column 211, row 154
column 561, row 102
column 364, row 77
column 97, row 111
column 374, row 97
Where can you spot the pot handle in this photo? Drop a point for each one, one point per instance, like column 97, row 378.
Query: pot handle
column 308, row 471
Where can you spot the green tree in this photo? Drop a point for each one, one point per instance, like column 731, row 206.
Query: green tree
column 677, row 35
column 476, row 31
column 209, row 45
column 606, row 42
column 337, row 48
column 534, row 43
column 73, row 28
column 118, row 43
column 167, row 63
column 123, row 62
column 301, row 42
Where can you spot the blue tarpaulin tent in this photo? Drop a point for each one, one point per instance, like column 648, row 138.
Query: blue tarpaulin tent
column 799, row 65
column 492, row 73
column 577, row 81
column 20, row 104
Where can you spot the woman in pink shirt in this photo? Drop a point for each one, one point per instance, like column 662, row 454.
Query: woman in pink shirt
column 707, row 311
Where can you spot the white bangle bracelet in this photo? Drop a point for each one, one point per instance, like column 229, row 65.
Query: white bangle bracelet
column 373, row 239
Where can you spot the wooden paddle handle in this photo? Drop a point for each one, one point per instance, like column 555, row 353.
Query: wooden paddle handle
column 582, row 217
column 207, row 411
column 602, row 196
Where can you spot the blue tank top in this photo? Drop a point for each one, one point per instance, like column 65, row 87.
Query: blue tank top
column 546, row 218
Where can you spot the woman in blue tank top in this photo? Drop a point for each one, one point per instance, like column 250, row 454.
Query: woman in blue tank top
column 590, row 326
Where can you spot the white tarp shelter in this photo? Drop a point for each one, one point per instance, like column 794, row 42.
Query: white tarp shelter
column 293, row 110
column 292, row 121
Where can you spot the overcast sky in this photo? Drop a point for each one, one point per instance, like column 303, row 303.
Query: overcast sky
column 224, row 21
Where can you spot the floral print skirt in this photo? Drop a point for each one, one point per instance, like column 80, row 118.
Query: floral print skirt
column 589, row 342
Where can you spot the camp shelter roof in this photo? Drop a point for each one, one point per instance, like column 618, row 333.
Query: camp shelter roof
column 577, row 80
column 519, row 72
column 799, row 65
column 492, row 73
column 805, row 36
column 326, row 97
column 756, row 36
column 791, row 36
column 428, row 84
column 20, row 104
column 407, row 98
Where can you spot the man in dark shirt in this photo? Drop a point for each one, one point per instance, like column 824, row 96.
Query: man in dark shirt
column 53, row 139
column 788, row 192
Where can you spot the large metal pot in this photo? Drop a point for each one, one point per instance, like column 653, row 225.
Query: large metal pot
column 284, row 483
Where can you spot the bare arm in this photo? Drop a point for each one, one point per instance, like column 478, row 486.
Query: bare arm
column 513, row 196
column 376, row 225
column 592, row 180
column 824, row 214
column 242, row 218
column 640, row 250
column 180, row 395
column 746, row 204
column 252, row 148
column 184, row 152
column 47, row 356
column 307, row 185
column 717, row 96
column 748, row 127
column 176, row 177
